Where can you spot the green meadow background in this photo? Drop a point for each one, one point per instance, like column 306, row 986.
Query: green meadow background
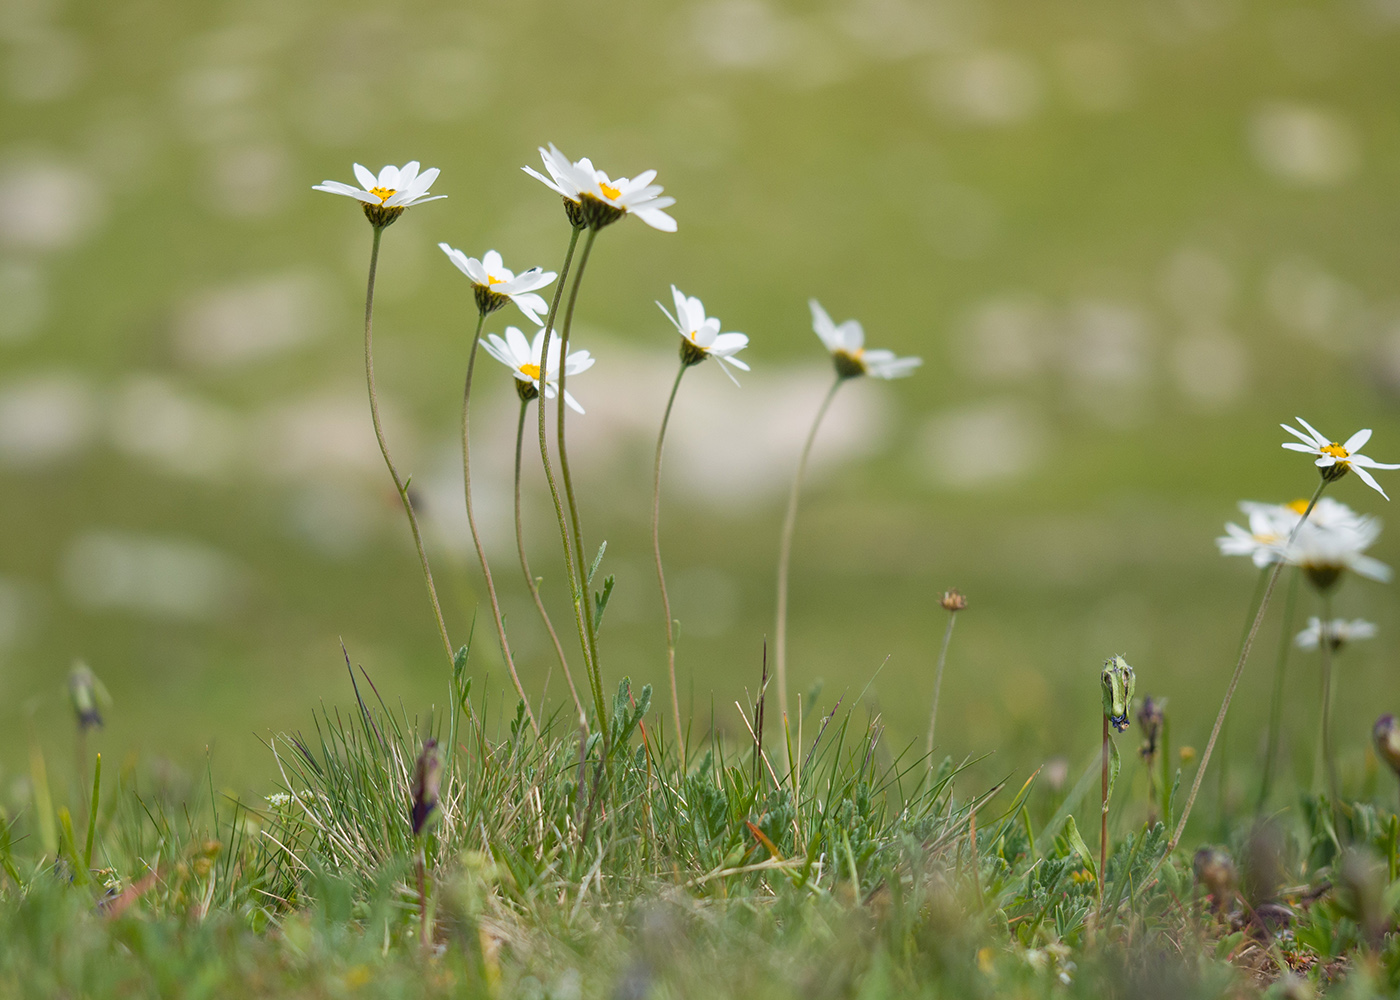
column 1127, row 238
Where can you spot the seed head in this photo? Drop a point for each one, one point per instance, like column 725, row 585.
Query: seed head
column 427, row 779
column 952, row 600
column 1386, row 734
column 1150, row 718
column 87, row 695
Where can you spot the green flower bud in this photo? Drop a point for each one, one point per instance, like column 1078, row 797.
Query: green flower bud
column 1118, row 681
column 88, row 696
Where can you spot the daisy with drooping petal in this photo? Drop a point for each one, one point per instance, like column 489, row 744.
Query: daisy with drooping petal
column 1271, row 524
column 1337, row 633
column 598, row 200
column 495, row 284
column 1335, row 460
column 522, row 357
column 386, row 196
column 700, row 336
column 1324, row 553
column 846, row 343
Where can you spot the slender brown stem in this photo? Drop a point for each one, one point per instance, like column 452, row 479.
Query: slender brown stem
column 1230, row 691
column 530, row 577
column 583, row 595
column 938, row 684
column 399, row 484
column 785, row 550
column 1103, row 817
column 476, row 536
column 425, row 933
column 656, row 549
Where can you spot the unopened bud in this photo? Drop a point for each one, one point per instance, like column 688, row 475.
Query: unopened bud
column 1150, row 718
column 427, row 779
column 88, row 695
column 1386, row 734
column 952, row 600
column 1118, row 680
column 1215, row 871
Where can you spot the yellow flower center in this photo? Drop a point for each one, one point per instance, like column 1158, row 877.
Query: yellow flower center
column 383, row 194
column 531, row 370
column 491, row 279
column 609, row 190
column 1335, row 450
column 1298, row 507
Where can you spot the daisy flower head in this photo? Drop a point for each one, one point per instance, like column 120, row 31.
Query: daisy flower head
column 495, row 284
column 522, row 357
column 1335, row 460
column 1324, row 553
column 700, row 336
column 1272, row 524
column 1336, row 633
column 846, row 343
column 386, row 196
column 593, row 199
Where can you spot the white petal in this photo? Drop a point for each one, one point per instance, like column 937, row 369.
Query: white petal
column 657, row 220
column 367, row 180
column 1300, row 435
column 1369, row 463
column 519, row 346
column 1358, row 440
column 1295, row 446
column 1317, row 435
column 1369, row 480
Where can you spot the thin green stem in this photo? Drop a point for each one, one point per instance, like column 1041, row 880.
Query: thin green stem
column 785, row 549
column 1324, row 646
column 656, row 550
column 582, row 596
column 1103, row 816
column 476, row 536
column 1230, row 691
column 1271, row 749
column 530, row 577
column 399, row 484
column 938, row 684
column 574, row 588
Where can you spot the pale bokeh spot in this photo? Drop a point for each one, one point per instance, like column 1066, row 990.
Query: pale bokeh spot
column 1211, row 367
column 151, row 576
column 156, row 421
column 251, row 321
column 1305, row 145
column 989, row 444
column 25, row 298
column 1198, row 285
column 1315, row 305
column 46, row 417
column 1006, row 339
column 49, row 204
column 992, row 87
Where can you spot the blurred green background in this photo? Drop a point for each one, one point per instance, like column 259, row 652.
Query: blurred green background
column 1127, row 238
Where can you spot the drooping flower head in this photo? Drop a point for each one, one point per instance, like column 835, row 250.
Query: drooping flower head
column 1325, row 552
column 848, row 352
column 700, row 336
column 1117, row 681
column 1336, row 633
column 594, row 200
column 1335, row 460
column 522, row 357
column 1271, row 525
column 385, row 197
column 495, row 284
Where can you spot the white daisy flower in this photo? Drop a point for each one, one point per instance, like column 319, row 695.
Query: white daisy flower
column 592, row 198
column 700, row 336
column 522, row 357
column 1335, row 460
column 495, row 284
column 1325, row 552
column 1337, row 633
column 386, row 196
column 848, row 352
column 1271, row 524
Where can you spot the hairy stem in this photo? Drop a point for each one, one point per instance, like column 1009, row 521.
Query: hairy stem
column 399, row 484
column 656, row 550
column 530, row 577
column 1103, row 816
column 785, row 549
column 476, row 536
column 1324, row 646
column 1271, row 749
column 1234, row 682
column 583, row 595
column 938, row 684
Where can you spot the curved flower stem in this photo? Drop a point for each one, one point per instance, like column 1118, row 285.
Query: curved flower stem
column 785, row 550
column 399, row 484
column 574, row 588
column 582, row 596
column 1103, row 816
column 656, row 548
column 530, row 577
column 938, row 684
column 476, row 537
column 1230, row 691
column 1329, row 763
column 1276, row 699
